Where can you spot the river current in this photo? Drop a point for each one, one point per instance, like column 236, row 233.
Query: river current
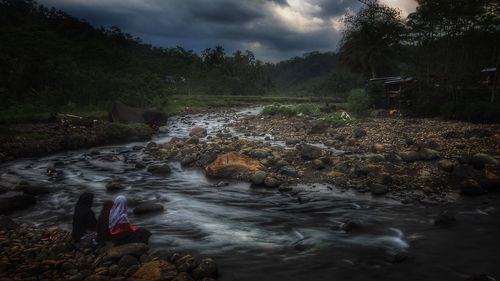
column 262, row 234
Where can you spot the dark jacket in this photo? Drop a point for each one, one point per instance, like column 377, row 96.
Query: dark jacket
column 103, row 233
column 84, row 217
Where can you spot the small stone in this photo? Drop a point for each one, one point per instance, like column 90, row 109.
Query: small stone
column 409, row 156
column 127, row 261
column 206, row 268
column 136, row 249
column 428, row 154
column 114, row 186
column 258, row 177
column 358, row 132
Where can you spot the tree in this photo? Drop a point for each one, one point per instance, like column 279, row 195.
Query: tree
column 372, row 38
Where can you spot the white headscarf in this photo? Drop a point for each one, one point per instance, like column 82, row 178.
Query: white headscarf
column 118, row 213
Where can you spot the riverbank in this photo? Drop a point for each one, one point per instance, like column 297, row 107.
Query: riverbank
column 33, row 253
column 35, row 140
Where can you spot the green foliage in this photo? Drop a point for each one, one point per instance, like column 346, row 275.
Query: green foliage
column 335, row 120
column 291, row 110
column 372, row 39
column 358, row 103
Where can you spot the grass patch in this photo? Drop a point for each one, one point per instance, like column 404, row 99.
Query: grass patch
column 329, row 119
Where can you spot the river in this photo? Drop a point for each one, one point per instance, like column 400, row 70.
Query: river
column 262, row 234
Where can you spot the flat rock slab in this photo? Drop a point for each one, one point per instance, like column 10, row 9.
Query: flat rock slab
column 230, row 165
column 148, row 207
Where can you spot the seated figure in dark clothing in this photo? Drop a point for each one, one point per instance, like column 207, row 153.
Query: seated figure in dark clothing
column 103, row 233
column 84, row 221
column 122, row 231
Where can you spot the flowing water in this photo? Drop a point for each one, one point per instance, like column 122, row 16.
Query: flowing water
column 261, row 234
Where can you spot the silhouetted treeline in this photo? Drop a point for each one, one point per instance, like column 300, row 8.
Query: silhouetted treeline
column 50, row 59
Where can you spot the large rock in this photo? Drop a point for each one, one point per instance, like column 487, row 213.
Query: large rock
column 16, row 202
column 310, row 152
column 198, row 131
column 30, row 189
column 119, row 112
column 471, row 187
column 135, row 249
column 319, row 128
column 7, row 223
column 160, row 170
column 155, row 270
column 231, row 165
column 148, row 207
column 206, row 268
column 479, row 160
column 409, row 156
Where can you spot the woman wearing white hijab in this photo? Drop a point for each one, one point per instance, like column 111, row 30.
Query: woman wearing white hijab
column 122, row 231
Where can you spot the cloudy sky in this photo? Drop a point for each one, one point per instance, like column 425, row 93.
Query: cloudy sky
column 272, row 29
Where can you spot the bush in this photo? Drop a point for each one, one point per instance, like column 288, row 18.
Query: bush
column 357, row 102
column 291, row 110
column 335, row 120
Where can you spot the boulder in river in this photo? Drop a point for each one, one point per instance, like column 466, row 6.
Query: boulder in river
column 16, row 202
column 160, row 170
column 379, row 189
column 289, row 170
column 7, row 223
column 471, row 187
column 198, row 131
column 114, row 186
column 231, row 165
column 148, row 207
column 31, row 189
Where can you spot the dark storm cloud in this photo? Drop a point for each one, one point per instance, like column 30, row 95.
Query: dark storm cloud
column 272, row 29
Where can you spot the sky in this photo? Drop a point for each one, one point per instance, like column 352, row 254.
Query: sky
column 272, row 29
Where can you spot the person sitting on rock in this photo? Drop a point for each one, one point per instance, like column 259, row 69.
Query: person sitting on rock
column 103, row 233
column 84, row 222
column 122, row 231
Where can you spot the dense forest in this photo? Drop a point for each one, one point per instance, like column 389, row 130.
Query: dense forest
column 49, row 59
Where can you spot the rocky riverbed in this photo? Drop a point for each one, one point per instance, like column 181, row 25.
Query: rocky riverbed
column 405, row 159
column 282, row 204
column 34, row 253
